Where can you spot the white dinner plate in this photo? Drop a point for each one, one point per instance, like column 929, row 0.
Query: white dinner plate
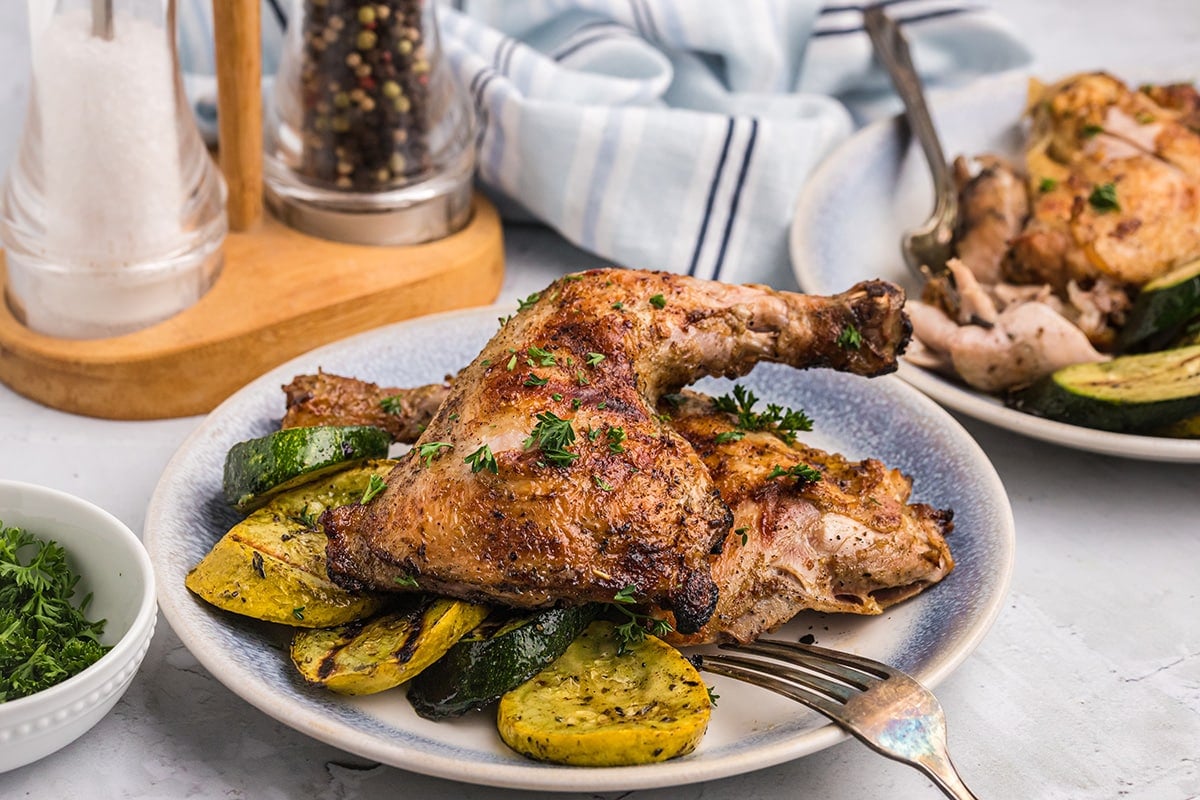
column 858, row 203
column 751, row 728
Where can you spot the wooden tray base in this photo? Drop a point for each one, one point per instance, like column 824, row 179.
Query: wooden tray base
column 280, row 294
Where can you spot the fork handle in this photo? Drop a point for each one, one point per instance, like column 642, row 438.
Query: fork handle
column 891, row 49
column 941, row 771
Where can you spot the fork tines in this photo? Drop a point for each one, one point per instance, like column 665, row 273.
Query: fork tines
column 883, row 707
column 801, row 672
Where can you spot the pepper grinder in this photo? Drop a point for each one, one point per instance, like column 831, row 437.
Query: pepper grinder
column 369, row 137
column 112, row 215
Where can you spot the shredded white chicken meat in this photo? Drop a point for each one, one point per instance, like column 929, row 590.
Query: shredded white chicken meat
column 1004, row 337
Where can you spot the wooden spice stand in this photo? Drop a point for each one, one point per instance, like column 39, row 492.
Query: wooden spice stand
column 280, row 293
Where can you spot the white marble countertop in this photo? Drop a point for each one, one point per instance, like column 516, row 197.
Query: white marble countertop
column 1088, row 685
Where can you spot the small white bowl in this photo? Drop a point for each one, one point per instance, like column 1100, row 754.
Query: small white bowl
column 114, row 567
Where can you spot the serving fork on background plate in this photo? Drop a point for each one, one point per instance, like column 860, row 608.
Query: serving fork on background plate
column 881, row 706
column 927, row 248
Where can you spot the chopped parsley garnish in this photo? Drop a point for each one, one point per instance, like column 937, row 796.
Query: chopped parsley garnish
column 556, row 397
column 534, row 380
column 658, row 301
column 553, row 436
column 713, row 697
column 504, row 320
column 633, row 631
column 392, row 405
column 803, row 473
column 1104, row 198
column 528, row 302
column 730, row 436
column 594, row 358
column 674, row 400
column 616, row 438
column 618, row 306
column 849, row 338
column 602, row 484
column 540, row 358
column 374, row 486
column 512, row 363
column 482, row 459
column 743, row 533
column 430, row 450
column 1047, row 185
column 407, row 581
column 580, row 378
column 44, row 637
column 593, row 434
column 783, row 422
column 298, row 613
column 576, row 403
column 307, row 518
column 1091, row 130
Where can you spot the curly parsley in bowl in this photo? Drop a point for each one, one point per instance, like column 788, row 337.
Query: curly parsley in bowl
column 45, row 637
column 77, row 612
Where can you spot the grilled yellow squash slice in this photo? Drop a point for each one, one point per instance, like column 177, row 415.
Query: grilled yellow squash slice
column 600, row 707
column 271, row 565
column 373, row 655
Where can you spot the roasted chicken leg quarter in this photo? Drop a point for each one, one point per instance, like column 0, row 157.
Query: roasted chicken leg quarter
column 849, row 541
column 547, row 474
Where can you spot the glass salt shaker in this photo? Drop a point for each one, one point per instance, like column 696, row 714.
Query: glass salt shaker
column 112, row 214
column 369, row 138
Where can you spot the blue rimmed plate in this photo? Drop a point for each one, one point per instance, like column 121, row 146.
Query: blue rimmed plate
column 928, row 636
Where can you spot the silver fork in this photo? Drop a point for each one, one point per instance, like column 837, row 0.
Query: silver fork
column 883, row 707
column 927, row 248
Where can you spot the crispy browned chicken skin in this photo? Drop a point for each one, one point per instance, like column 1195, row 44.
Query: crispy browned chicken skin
column 849, row 542
column 592, row 491
column 1115, row 180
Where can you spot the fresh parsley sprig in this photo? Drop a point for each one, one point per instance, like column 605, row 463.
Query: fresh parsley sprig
column 781, row 421
column 528, row 302
column 429, row 451
column 849, row 338
column 553, row 435
column 393, row 405
column 633, row 631
column 483, row 459
column 803, row 473
column 44, row 637
column 540, row 358
column 375, row 485
column 1104, row 198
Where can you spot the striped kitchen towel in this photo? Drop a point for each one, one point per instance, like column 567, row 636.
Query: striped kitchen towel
column 676, row 134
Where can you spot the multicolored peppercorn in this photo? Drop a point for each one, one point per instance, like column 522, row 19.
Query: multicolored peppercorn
column 364, row 78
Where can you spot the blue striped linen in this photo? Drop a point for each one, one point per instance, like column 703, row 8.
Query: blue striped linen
column 668, row 134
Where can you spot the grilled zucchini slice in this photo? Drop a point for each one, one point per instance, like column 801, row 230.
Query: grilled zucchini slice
column 1130, row 393
column 258, row 469
column 271, row 565
column 1163, row 307
column 499, row 655
column 598, row 706
column 1187, row 428
column 381, row 653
